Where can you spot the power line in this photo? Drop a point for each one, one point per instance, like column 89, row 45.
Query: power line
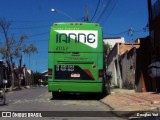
column 30, row 27
column 107, row 10
column 113, row 7
column 126, row 31
column 103, row 11
column 29, row 21
column 35, row 35
column 95, row 10
column 109, row 13
column 35, row 41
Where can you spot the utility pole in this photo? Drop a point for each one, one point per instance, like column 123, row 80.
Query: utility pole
column 86, row 16
column 150, row 28
column 149, row 14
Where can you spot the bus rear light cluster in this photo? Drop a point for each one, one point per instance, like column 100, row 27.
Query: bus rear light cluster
column 49, row 71
column 100, row 73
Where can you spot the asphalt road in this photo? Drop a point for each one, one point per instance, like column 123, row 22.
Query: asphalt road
column 38, row 102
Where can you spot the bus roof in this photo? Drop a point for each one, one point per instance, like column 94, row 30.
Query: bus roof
column 76, row 23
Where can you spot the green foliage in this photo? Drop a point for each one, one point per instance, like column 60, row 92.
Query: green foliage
column 106, row 48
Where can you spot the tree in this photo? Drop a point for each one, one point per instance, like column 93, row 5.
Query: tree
column 5, row 50
column 30, row 49
column 106, row 48
column 13, row 48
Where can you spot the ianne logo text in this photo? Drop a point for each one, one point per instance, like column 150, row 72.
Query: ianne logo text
column 87, row 37
column 81, row 37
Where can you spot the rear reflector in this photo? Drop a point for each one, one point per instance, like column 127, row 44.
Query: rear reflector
column 94, row 66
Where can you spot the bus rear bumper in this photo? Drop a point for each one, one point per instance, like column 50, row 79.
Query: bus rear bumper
column 75, row 87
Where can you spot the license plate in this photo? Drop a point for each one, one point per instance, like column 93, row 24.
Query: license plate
column 75, row 75
column 64, row 68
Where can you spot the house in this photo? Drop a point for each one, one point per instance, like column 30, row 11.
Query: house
column 139, row 59
column 23, row 76
column 119, row 61
column 29, row 78
column 45, row 75
column 112, row 41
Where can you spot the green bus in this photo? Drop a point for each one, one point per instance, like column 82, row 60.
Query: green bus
column 75, row 58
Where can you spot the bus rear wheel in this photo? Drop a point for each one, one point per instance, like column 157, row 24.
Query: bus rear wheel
column 55, row 95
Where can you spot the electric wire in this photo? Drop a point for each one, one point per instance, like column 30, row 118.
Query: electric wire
column 29, row 21
column 104, row 9
column 107, row 6
column 95, row 10
column 114, row 5
column 125, row 32
column 109, row 13
column 35, row 35
column 30, row 27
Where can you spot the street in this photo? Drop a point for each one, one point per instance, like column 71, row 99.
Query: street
column 67, row 107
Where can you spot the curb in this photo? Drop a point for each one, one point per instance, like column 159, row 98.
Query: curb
column 119, row 113
column 133, row 114
column 126, row 106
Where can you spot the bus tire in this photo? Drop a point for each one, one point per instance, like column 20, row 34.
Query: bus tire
column 55, row 94
column 107, row 89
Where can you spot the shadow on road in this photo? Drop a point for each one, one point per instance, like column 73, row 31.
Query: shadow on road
column 77, row 96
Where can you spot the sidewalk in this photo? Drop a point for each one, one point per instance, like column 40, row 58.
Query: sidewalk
column 125, row 102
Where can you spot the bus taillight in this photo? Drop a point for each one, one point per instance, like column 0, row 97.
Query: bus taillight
column 100, row 73
column 49, row 71
column 96, row 24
